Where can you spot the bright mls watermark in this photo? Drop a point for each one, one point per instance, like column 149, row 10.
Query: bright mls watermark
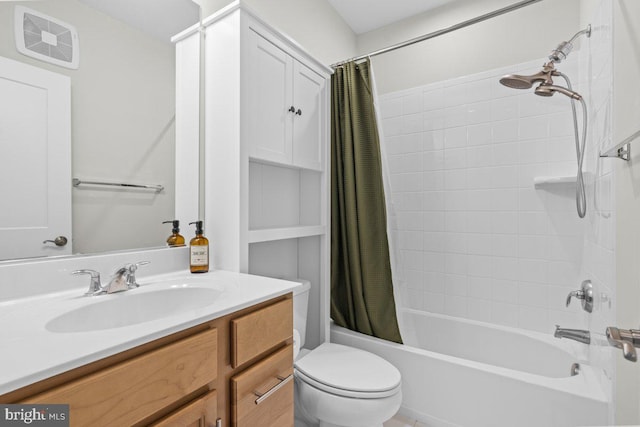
column 34, row 415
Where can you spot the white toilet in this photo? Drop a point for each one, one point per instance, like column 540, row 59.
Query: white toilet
column 340, row 386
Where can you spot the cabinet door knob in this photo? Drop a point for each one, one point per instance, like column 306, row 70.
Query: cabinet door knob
column 299, row 112
column 292, row 109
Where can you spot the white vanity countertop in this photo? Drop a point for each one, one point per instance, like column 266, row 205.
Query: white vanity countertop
column 30, row 352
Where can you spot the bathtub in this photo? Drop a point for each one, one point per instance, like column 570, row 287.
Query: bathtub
column 458, row 372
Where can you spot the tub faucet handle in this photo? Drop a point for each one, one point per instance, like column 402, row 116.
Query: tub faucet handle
column 574, row 294
column 625, row 339
column 585, row 294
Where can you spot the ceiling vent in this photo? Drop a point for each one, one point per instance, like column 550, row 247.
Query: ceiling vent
column 45, row 38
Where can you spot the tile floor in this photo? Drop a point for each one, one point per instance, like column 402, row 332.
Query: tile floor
column 402, row 421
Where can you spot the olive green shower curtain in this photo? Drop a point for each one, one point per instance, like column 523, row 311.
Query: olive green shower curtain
column 361, row 285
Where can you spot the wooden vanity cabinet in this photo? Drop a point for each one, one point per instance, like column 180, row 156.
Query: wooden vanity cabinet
column 202, row 412
column 258, row 332
column 262, row 393
column 130, row 392
column 206, row 376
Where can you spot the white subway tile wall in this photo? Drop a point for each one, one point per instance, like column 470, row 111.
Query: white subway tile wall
column 599, row 240
column 476, row 239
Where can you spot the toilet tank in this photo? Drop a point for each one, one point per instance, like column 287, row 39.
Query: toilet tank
column 300, row 305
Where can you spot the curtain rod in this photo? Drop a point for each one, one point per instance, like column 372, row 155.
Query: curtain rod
column 437, row 33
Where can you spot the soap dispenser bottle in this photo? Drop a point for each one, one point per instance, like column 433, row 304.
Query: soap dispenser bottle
column 175, row 239
column 199, row 251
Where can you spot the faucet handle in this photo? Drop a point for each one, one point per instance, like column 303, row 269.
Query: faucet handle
column 95, row 288
column 131, row 273
column 585, row 294
column 574, row 294
column 625, row 339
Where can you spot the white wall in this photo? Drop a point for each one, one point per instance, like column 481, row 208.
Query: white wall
column 519, row 36
column 599, row 244
column 123, row 107
column 626, row 121
column 314, row 24
column 477, row 240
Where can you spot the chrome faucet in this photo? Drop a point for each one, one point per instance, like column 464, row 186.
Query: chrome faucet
column 131, row 273
column 95, row 288
column 626, row 340
column 123, row 279
column 118, row 282
column 573, row 334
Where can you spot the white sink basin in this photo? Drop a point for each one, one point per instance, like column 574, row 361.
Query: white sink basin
column 132, row 307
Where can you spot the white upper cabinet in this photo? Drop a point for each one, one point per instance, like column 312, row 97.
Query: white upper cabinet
column 270, row 101
column 286, row 104
column 308, row 129
column 266, row 173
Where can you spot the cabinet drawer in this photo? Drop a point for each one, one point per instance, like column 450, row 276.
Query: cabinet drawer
column 257, row 332
column 202, row 412
column 262, row 395
column 128, row 392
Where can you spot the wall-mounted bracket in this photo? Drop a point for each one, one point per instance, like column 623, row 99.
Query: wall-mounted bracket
column 621, row 150
column 623, row 153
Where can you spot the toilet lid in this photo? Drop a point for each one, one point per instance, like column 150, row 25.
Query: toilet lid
column 335, row 366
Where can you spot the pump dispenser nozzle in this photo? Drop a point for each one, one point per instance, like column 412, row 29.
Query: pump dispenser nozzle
column 198, row 226
column 199, row 250
column 175, row 239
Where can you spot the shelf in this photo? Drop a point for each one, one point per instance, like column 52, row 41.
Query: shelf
column 545, row 181
column 270, row 234
column 541, row 181
column 255, row 159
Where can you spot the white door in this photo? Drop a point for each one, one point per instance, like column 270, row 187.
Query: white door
column 35, row 153
column 308, row 129
column 270, row 101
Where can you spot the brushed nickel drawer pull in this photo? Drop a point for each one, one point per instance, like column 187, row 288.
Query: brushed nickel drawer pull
column 263, row 396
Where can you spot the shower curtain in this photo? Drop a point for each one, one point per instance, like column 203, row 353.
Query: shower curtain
column 361, row 280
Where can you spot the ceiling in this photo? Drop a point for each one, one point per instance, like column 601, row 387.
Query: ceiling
column 159, row 18
column 174, row 16
column 367, row 15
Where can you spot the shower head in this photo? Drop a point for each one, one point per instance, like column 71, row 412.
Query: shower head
column 559, row 54
column 563, row 50
column 517, row 81
column 549, row 90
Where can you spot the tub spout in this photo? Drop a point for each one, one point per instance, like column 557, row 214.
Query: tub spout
column 573, row 334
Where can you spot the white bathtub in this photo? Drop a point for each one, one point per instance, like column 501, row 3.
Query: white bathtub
column 457, row 372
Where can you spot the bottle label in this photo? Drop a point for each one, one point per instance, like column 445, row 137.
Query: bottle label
column 199, row 255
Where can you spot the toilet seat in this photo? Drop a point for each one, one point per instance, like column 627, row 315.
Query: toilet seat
column 348, row 372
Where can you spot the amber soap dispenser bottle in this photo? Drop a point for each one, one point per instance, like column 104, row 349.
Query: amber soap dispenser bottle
column 176, row 238
column 199, row 250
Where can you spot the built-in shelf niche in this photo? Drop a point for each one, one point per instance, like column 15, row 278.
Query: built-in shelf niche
column 546, row 181
column 284, row 202
column 294, row 259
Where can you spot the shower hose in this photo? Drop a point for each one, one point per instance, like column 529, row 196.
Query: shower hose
column 581, row 200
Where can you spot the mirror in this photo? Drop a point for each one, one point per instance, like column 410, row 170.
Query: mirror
column 122, row 116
